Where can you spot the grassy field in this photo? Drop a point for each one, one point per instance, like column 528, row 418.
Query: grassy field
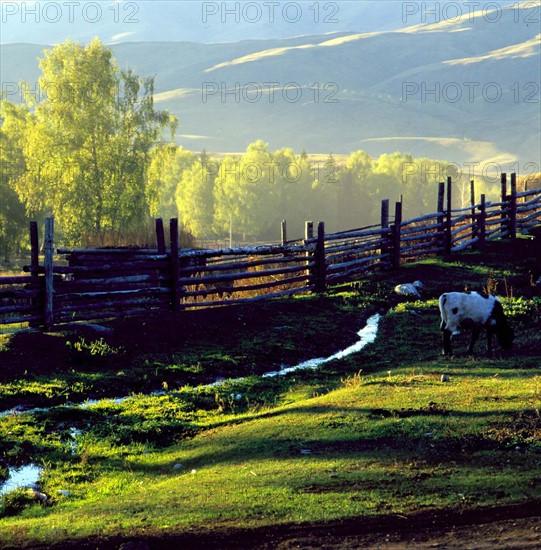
column 371, row 435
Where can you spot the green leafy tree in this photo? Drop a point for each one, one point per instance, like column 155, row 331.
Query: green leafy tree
column 245, row 193
column 165, row 172
column 89, row 146
column 13, row 221
column 195, row 199
column 294, row 186
column 356, row 198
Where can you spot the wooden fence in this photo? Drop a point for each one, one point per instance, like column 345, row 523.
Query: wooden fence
column 117, row 282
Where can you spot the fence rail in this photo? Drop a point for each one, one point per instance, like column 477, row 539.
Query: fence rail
column 119, row 282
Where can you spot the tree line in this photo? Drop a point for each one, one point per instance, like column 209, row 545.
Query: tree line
column 96, row 153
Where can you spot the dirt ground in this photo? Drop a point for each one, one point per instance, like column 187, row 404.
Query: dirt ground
column 513, row 527
column 513, row 534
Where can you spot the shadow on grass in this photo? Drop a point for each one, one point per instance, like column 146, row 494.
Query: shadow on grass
column 360, row 432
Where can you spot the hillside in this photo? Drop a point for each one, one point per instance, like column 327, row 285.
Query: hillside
column 461, row 90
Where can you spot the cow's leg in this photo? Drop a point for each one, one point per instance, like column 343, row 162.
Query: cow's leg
column 446, row 340
column 475, row 332
column 490, row 334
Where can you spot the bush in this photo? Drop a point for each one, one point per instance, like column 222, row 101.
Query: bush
column 14, row 502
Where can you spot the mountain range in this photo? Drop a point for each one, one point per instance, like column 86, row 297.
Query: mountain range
column 461, row 89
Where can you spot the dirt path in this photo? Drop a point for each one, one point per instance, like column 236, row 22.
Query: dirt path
column 514, row 534
column 513, row 527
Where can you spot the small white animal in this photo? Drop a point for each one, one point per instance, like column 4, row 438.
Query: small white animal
column 409, row 289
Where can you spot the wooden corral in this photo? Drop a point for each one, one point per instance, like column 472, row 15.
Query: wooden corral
column 118, row 282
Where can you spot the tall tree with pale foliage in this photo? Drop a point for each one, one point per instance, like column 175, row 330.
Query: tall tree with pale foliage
column 88, row 145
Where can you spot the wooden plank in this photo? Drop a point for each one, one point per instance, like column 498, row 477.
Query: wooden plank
column 355, row 248
column 360, row 261
column 160, row 236
column 473, row 209
column 107, row 268
column 355, row 234
column 110, row 281
column 439, row 208
column 513, row 207
column 320, row 269
column 15, row 319
column 49, row 279
column 245, row 275
column 244, row 264
column 108, row 294
column 17, row 280
column 34, row 248
column 397, row 228
column 175, row 265
column 529, row 193
column 463, row 246
column 19, row 294
column 247, row 251
column 384, row 224
column 504, row 202
column 429, row 228
column 17, row 308
column 119, row 250
column 449, row 218
column 481, row 224
column 283, row 232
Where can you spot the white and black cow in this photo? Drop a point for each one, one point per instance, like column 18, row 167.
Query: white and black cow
column 472, row 311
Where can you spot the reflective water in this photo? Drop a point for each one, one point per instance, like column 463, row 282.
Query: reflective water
column 24, row 476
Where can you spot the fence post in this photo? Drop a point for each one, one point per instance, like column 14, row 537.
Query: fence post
column 160, row 236
column 396, row 233
column 513, row 207
column 320, row 270
column 34, row 248
column 175, row 265
column 441, row 218
column 308, row 230
column 503, row 200
column 34, row 266
column 449, row 213
column 481, row 226
column 49, row 280
column 384, row 226
column 472, row 204
column 308, row 234
column 283, row 232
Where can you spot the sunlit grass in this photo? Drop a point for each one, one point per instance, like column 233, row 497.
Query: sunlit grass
column 377, row 432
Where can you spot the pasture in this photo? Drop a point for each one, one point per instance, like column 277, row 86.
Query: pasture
column 373, row 437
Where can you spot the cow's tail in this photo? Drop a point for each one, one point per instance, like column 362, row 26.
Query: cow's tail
column 443, row 311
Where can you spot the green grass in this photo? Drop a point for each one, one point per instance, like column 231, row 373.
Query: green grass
column 375, row 433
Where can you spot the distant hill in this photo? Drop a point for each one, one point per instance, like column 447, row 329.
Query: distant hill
column 461, row 90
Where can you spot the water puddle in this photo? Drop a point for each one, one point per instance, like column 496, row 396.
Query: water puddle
column 24, row 476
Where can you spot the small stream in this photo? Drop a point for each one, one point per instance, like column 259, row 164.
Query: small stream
column 367, row 335
column 28, row 475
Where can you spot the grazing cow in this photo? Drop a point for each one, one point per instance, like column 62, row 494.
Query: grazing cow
column 472, row 311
